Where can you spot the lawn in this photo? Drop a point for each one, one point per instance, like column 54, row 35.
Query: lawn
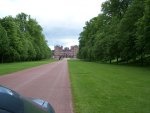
column 7, row 68
column 105, row 88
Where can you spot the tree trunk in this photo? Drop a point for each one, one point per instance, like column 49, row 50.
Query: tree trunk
column 2, row 59
column 127, row 60
column 142, row 62
column 117, row 59
column 110, row 61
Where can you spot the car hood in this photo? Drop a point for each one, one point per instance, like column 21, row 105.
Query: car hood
column 13, row 102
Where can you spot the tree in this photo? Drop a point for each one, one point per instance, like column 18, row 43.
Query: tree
column 4, row 43
column 115, row 7
column 142, row 33
column 121, row 32
column 21, row 39
column 146, row 21
column 127, row 30
column 38, row 39
column 14, row 46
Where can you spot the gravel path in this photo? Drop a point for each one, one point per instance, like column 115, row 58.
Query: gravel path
column 49, row 82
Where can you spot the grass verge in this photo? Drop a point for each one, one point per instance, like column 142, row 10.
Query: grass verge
column 104, row 88
column 7, row 68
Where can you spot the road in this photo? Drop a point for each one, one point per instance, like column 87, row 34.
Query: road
column 49, row 82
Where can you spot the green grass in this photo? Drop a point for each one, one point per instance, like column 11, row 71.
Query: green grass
column 105, row 88
column 7, row 68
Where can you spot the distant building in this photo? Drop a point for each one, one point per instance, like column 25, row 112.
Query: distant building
column 59, row 51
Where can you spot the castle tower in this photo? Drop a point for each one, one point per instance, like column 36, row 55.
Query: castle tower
column 58, row 51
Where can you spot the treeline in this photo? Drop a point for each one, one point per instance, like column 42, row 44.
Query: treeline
column 21, row 39
column 120, row 33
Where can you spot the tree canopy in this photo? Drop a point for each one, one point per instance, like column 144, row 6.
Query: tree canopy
column 120, row 33
column 21, row 39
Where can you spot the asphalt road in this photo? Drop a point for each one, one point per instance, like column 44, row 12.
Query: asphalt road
column 49, row 82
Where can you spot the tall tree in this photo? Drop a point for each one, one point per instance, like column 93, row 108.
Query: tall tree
column 14, row 47
column 120, row 33
column 21, row 39
column 4, row 44
column 127, row 30
column 142, row 33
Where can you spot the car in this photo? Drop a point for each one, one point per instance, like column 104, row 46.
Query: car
column 12, row 102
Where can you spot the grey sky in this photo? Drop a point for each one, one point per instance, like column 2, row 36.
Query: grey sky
column 62, row 20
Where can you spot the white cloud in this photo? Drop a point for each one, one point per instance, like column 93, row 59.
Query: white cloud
column 54, row 13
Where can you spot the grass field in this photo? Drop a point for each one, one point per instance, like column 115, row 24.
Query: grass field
column 104, row 88
column 13, row 67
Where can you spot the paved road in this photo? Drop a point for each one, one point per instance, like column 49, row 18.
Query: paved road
column 49, row 82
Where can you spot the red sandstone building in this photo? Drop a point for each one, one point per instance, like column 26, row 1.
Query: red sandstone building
column 59, row 51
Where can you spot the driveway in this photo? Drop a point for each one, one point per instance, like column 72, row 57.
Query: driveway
column 49, row 82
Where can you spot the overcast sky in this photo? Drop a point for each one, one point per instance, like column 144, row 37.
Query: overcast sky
column 62, row 20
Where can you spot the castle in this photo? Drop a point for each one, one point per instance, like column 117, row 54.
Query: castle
column 60, row 52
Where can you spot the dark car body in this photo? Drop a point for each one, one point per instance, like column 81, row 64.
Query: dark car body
column 12, row 102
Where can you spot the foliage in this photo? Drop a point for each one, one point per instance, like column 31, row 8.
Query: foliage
column 120, row 33
column 21, row 39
